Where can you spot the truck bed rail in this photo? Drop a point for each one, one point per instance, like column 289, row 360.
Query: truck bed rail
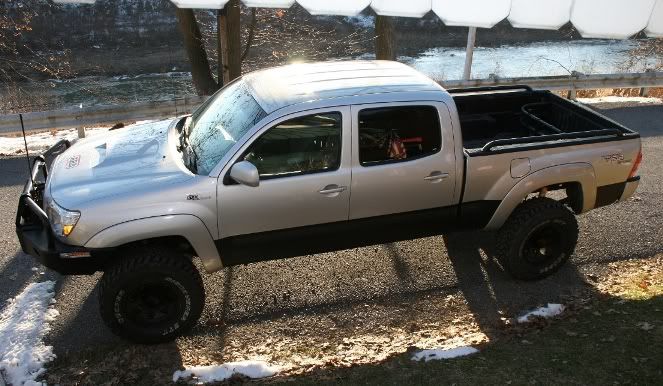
column 467, row 90
column 550, row 118
column 552, row 137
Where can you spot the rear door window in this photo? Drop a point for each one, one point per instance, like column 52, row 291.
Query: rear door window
column 398, row 134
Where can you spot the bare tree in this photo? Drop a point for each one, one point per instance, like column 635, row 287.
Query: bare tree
column 25, row 59
column 384, row 38
column 195, row 48
column 648, row 54
column 229, row 51
column 229, row 35
column 270, row 37
column 19, row 60
column 283, row 36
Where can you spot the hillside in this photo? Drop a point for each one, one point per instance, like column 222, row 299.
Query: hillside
column 141, row 36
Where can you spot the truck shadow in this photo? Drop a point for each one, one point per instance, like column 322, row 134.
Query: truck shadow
column 490, row 296
column 87, row 353
column 489, row 293
column 17, row 273
column 13, row 172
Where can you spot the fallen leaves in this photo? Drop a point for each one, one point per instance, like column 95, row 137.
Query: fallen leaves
column 637, row 279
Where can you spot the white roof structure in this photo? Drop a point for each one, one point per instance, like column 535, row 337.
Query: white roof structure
column 616, row 19
column 611, row 18
column 540, row 14
column 278, row 87
column 655, row 25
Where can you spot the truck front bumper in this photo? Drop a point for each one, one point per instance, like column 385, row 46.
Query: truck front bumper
column 40, row 243
column 34, row 231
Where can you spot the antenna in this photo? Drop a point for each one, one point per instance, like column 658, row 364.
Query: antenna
column 27, row 153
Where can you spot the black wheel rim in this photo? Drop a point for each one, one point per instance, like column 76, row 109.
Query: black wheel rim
column 152, row 304
column 544, row 245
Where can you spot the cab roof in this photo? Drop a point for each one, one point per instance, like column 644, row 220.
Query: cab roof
column 284, row 86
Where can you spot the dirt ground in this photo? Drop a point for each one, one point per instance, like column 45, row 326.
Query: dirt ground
column 314, row 351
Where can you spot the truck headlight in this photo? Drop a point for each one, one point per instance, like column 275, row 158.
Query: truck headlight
column 62, row 220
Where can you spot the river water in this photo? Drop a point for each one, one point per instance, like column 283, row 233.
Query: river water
column 535, row 59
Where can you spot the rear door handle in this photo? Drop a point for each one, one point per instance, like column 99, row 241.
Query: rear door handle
column 332, row 189
column 436, row 176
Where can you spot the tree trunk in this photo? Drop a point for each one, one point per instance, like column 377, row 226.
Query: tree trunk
column 221, row 52
column 200, row 69
column 249, row 39
column 384, row 38
column 230, row 40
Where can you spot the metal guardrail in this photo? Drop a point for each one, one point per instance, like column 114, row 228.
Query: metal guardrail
column 99, row 115
column 575, row 81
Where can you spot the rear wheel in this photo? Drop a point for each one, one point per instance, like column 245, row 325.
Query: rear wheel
column 151, row 296
column 537, row 239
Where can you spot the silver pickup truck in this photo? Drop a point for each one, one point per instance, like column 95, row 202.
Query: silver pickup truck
column 309, row 158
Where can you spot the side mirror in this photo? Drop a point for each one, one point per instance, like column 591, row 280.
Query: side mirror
column 245, row 173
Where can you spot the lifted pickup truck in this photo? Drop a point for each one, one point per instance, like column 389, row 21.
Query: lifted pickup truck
column 308, row 158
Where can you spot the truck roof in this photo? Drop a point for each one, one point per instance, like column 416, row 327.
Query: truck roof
column 283, row 86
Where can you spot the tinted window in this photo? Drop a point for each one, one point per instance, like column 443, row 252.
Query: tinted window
column 308, row 144
column 391, row 134
column 220, row 122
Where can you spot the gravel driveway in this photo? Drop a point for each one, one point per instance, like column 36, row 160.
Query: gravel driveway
column 297, row 308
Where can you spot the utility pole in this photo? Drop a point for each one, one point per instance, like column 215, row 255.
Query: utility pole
column 469, row 52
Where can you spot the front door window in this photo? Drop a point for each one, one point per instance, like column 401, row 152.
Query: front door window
column 303, row 145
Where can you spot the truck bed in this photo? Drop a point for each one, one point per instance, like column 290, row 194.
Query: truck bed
column 517, row 116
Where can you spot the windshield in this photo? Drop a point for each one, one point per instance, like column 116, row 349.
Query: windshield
column 220, row 122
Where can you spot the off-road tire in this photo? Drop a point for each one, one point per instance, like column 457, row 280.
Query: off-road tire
column 536, row 228
column 151, row 278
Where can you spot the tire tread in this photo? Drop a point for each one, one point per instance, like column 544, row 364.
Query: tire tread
column 535, row 208
column 139, row 259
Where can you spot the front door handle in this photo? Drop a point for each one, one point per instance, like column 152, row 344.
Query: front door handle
column 436, row 176
column 333, row 189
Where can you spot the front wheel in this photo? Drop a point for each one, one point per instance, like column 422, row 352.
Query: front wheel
column 151, row 296
column 537, row 239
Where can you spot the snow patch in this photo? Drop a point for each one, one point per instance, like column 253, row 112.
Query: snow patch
column 362, row 21
column 23, row 324
column 218, row 373
column 544, row 312
column 39, row 142
column 439, row 353
column 619, row 99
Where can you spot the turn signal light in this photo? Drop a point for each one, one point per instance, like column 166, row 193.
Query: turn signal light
column 66, row 229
